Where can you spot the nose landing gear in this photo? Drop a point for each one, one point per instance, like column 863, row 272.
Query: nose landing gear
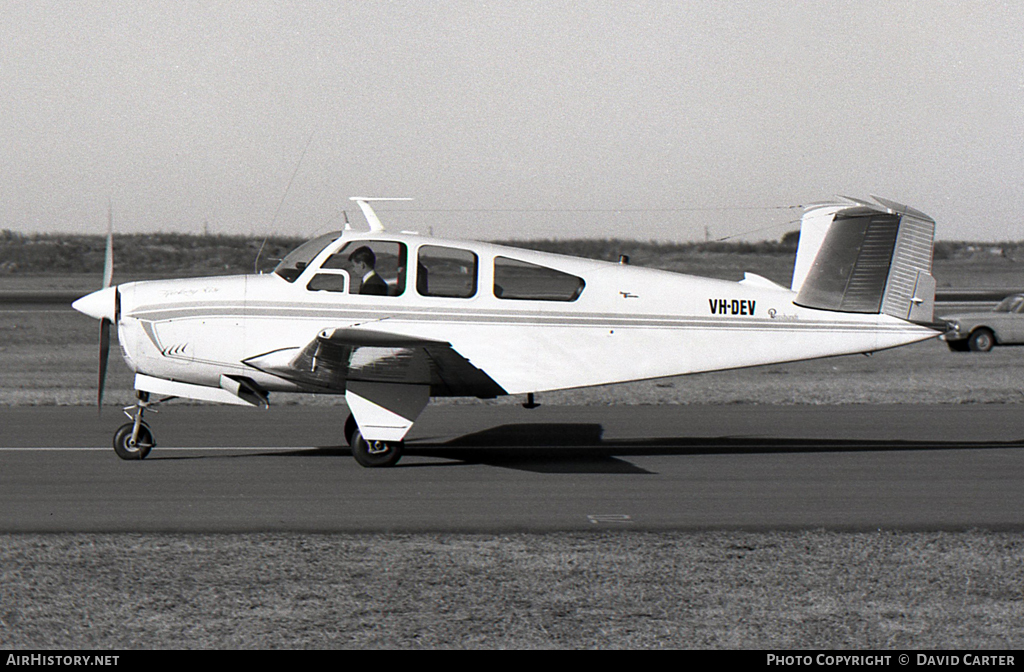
column 134, row 440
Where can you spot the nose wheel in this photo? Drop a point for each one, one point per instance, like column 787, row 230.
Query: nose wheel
column 132, row 444
column 134, row 440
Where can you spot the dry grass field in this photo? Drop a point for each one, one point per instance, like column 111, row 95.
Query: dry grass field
column 709, row 590
column 712, row 590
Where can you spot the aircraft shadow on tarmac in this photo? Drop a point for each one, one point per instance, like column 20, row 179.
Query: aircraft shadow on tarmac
column 581, row 448
column 542, row 447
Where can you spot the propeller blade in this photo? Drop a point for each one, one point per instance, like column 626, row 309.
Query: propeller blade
column 108, row 258
column 104, row 355
column 108, row 278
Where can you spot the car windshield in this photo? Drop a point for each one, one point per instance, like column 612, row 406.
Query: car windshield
column 296, row 261
column 1011, row 304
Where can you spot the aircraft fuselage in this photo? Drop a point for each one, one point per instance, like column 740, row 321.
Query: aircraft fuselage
column 627, row 323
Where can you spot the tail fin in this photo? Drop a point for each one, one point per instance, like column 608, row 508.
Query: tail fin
column 866, row 257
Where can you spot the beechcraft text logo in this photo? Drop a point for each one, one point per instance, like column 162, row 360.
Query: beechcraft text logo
column 732, row 306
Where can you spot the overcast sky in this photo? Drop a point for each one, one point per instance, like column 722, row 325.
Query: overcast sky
column 669, row 120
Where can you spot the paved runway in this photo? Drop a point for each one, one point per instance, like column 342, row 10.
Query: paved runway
column 503, row 469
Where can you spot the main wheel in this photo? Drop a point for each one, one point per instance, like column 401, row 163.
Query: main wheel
column 350, row 428
column 981, row 340
column 127, row 449
column 375, row 453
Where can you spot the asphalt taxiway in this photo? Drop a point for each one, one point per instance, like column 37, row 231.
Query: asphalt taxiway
column 502, row 468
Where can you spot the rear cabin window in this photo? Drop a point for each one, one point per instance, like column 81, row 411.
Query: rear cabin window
column 520, row 280
column 446, row 271
column 375, row 267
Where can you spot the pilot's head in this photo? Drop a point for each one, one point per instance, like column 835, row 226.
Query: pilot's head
column 364, row 257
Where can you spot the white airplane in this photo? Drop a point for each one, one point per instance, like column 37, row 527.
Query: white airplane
column 392, row 319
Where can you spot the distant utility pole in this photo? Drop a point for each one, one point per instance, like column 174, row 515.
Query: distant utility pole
column 206, row 227
column 707, row 233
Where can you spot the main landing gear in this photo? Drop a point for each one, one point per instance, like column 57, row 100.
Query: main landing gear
column 134, row 440
column 371, row 454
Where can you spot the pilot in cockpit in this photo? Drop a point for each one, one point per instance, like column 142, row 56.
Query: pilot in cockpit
column 363, row 262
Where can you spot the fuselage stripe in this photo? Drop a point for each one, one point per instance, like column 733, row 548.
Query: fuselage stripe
column 482, row 318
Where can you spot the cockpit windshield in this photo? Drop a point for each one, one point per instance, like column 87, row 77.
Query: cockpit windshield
column 1011, row 304
column 296, row 261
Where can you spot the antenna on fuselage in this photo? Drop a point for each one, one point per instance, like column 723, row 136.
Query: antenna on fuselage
column 371, row 216
column 256, row 263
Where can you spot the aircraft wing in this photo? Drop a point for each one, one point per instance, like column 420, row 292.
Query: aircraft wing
column 337, row 356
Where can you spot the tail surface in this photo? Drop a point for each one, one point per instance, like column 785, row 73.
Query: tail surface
column 863, row 257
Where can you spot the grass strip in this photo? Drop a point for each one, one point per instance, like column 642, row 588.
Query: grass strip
column 709, row 590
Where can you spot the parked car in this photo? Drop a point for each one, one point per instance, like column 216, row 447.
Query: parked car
column 980, row 331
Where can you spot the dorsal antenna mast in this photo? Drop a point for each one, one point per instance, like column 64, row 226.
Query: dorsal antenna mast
column 371, row 216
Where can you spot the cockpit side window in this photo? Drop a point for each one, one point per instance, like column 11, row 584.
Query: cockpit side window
column 328, row 282
column 521, row 280
column 446, row 271
column 295, row 262
column 375, row 267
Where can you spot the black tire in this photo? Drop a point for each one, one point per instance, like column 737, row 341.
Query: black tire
column 350, row 428
column 123, row 442
column 981, row 340
column 375, row 454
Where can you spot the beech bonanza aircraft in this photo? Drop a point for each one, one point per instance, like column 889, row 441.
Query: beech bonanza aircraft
column 390, row 320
